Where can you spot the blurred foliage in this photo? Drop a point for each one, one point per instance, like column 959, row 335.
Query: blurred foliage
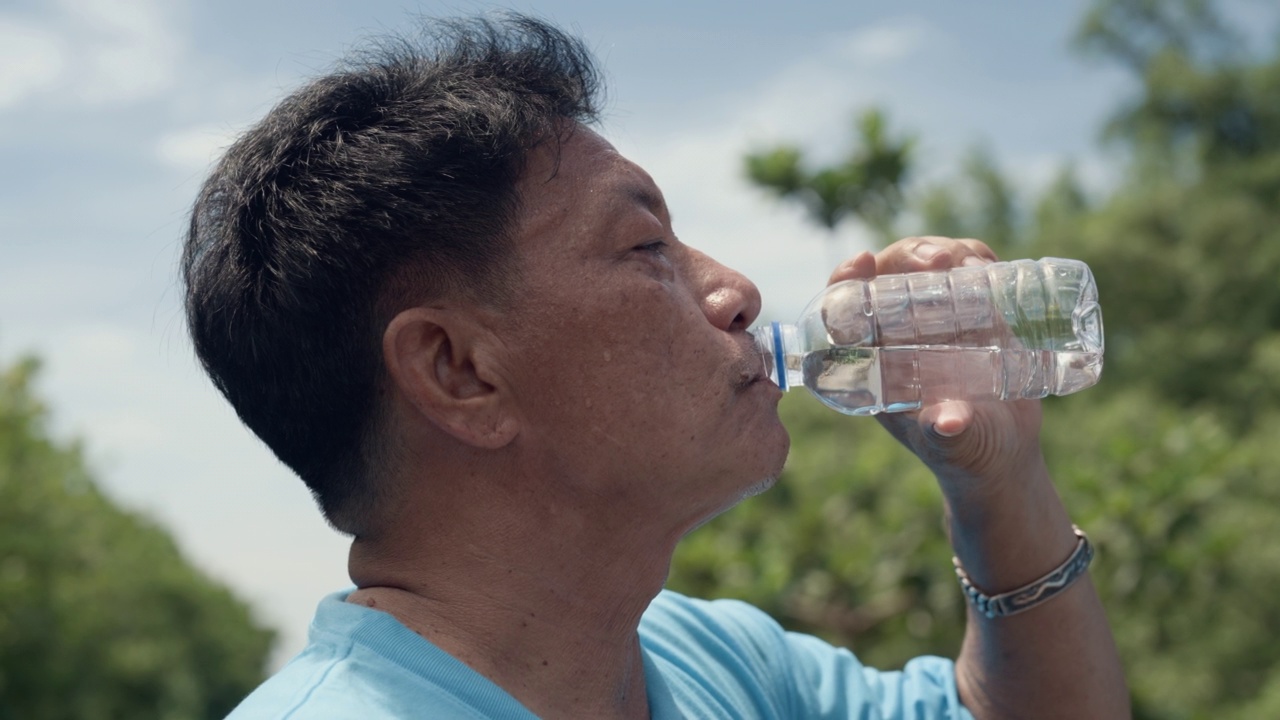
column 1171, row 462
column 1180, row 506
column 980, row 203
column 100, row 616
column 867, row 183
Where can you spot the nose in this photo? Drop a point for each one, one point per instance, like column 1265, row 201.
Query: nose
column 729, row 300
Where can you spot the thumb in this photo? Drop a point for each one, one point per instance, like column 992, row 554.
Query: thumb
column 945, row 422
column 953, row 441
column 960, row 441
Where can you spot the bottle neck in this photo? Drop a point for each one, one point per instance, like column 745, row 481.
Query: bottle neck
column 779, row 346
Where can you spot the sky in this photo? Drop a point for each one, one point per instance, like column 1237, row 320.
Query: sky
column 112, row 111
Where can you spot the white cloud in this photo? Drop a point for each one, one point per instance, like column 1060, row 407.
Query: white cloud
column 131, row 48
column 119, row 72
column 94, row 52
column 31, row 58
column 194, row 148
column 141, row 19
column 887, row 42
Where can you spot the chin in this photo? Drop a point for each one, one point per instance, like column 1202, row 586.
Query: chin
column 774, row 464
column 750, row 491
column 783, row 449
column 760, row 487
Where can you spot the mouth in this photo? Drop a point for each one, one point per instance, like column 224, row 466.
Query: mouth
column 750, row 371
column 747, row 381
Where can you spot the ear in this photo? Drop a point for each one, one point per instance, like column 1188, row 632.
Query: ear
column 437, row 363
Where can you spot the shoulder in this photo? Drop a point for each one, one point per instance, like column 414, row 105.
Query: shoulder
column 718, row 656
column 332, row 677
column 717, row 627
column 363, row 663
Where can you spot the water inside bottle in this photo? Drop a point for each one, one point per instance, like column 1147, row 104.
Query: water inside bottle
column 870, row 380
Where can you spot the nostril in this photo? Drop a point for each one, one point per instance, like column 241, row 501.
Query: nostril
column 732, row 302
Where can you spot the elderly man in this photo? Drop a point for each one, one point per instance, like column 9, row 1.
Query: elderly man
column 465, row 320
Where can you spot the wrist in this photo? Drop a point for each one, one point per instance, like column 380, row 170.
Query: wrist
column 1009, row 532
column 997, row 495
column 1037, row 592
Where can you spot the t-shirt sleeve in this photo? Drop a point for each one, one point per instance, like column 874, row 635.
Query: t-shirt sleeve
column 825, row 682
column 829, row 682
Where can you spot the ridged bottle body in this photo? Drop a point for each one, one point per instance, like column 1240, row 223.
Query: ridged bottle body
column 1004, row 331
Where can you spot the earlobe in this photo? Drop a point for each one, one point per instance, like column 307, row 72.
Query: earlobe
column 437, row 366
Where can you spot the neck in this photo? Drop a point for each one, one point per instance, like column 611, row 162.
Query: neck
column 541, row 597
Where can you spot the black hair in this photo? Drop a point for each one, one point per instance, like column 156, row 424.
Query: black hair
column 383, row 184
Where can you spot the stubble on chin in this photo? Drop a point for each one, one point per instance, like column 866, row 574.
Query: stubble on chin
column 750, row 491
column 759, row 488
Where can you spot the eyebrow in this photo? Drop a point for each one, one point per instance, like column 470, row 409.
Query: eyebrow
column 649, row 198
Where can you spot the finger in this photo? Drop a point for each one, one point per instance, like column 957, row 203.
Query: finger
column 961, row 251
column 980, row 249
column 859, row 267
column 947, row 419
column 930, row 253
column 843, row 306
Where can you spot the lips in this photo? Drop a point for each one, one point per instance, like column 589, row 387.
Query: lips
column 746, row 381
column 748, row 372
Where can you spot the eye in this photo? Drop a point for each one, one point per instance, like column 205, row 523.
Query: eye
column 656, row 257
column 657, row 247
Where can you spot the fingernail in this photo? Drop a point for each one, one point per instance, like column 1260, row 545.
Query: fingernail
column 975, row 261
column 946, row 433
column 927, row 251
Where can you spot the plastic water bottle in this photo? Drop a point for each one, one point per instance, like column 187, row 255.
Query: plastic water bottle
column 1003, row 331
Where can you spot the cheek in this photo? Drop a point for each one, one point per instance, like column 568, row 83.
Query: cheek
column 644, row 330
column 641, row 354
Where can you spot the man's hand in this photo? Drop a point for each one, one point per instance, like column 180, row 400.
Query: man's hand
column 1008, row 527
column 971, row 447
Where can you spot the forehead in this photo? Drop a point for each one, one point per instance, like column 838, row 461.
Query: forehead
column 577, row 187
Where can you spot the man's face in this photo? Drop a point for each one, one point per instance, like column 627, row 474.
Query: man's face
column 638, row 385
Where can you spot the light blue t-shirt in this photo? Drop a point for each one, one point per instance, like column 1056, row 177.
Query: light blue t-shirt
column 718, row 659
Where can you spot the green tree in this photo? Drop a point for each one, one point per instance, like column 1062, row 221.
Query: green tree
column 1187, row 253
column 979, row 203
column 100, row 616
column 1187, row 250
column 866, row 184
column 1180, row 507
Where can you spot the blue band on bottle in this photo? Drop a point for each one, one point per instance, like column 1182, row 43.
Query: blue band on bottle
column 777, row 356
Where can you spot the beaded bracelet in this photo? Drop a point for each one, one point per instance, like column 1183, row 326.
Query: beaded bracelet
column 1035, row 592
